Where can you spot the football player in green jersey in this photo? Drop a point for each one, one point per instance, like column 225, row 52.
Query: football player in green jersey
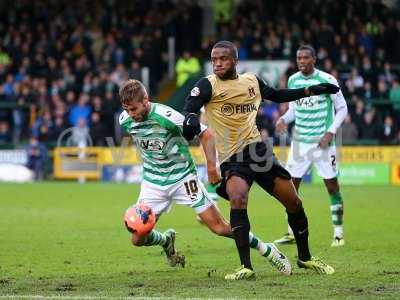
column 317, row 119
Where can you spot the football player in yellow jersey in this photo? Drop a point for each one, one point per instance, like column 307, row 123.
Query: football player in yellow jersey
column 231, row 102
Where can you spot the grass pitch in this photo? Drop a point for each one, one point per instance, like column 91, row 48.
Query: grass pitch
column 68, row 240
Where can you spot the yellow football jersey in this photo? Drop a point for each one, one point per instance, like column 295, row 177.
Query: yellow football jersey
column 231, row 113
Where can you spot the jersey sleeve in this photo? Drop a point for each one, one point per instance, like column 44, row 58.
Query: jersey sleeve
column 289, row 116
column 265, row 90
column 173, row 120
column 169, row 118
column 340, row 106
column 124, row 120
column 281, row 95
column 199, row 96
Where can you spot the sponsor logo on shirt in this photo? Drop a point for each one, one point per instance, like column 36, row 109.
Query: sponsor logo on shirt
column 229, row 109
column 151, row 145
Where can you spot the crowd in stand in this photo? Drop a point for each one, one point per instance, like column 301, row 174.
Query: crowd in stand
column 61, row 62
column 358, row 42
column 65, row 60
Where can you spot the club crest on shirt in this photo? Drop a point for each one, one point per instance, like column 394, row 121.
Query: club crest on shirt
column 252, row 92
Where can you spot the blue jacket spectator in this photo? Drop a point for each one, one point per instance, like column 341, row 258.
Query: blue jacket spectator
column 80, row 110
column 37, row 154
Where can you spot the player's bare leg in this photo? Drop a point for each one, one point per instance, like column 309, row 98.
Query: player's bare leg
column 337, row 209
column 285, row 192
column 214, row 220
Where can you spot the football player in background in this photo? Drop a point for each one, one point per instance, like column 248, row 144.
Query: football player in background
column 317, row 118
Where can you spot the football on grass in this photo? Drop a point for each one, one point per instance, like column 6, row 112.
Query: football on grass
column 139, row 219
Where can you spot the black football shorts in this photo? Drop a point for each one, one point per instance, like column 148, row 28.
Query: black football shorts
column 256, row 162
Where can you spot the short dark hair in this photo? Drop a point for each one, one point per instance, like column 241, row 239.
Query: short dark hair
column 309, row 48
column 131, row 90
column 229, row 45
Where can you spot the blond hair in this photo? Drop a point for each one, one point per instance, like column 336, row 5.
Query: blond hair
column 132, row 90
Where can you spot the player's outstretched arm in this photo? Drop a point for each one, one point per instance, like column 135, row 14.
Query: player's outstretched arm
column 287, row 95
column 208, row 143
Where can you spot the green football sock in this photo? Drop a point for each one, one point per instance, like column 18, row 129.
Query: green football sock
column 256, row 243
column 155, row 238
column 337, row 209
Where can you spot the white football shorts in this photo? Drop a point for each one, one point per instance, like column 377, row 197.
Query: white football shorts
column 303, row 155
column 189, row 191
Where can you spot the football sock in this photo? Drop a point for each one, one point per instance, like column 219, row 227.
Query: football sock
column 289, row 230
column 155, row 238
column 240, row 229
column 336, row 209
column 299, row 224
column 338, row 232
column 256, row 243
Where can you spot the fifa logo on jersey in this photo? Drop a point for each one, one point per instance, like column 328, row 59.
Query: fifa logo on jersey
column 252, row 92
column 151, row 145
column 229, row 109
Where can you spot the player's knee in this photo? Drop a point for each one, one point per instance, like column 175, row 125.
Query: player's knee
column 238, row 198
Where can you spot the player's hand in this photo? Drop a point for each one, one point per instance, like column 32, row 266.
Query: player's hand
column 323, row 88
column 325, row 140
column 280, row 126
column 191, row 126
column 213, row 175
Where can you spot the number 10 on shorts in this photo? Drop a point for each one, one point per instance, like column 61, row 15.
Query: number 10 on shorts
column 191, row 189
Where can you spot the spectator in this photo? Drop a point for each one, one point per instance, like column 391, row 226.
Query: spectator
column 5, row 133
column 97, row 130
column 42, row 127
column 80, row 134
column 397, row 138
column 387, row 131
column 135, row 71
column 355, row 83
column 370, row 127
column 186, row 66
column 4, row 57
column 359, row 115
column 382, row 92
column 349, row 131
column 80, row 111
column 58, row 128
column 394, row 97
column 387, row 74
column 37, row 154
column 223, row 11
column 368, row 94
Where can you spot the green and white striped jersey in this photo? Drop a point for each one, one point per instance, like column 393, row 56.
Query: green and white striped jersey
column 314, row 115
column 163, row 149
